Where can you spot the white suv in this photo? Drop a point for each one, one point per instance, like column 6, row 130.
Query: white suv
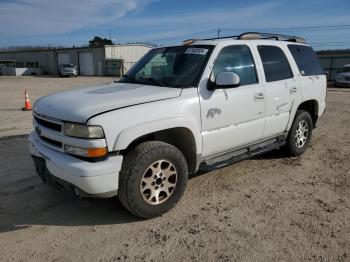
column 201, row 105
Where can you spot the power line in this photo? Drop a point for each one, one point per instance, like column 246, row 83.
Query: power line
column 182, row 35
column 323, row 27
column 304, row 28
column 336, row 42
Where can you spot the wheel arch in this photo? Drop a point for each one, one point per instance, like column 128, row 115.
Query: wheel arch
column 312, row 107
column 182, row 137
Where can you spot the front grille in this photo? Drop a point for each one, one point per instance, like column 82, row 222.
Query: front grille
column 347, row 78
column 47, row 124
column 51, row 142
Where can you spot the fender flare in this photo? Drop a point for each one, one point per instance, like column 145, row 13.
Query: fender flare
column 130, row 134
column 296, row 103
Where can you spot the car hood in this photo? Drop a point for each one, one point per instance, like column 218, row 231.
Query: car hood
column 80, row 104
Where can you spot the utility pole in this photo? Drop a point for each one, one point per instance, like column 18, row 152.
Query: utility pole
column 110, row 34
column 219, row 31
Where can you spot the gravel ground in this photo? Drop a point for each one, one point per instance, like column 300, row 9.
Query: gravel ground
column 271, row 208
column 13, row 121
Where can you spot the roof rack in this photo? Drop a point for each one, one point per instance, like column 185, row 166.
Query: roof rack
column 278, row 37
column 255, row 36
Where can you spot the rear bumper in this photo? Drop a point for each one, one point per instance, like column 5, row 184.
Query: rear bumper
column 98, row 179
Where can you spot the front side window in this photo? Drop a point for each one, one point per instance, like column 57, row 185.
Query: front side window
column 237, row 59
column 306, row 60
column 179, row 66
column 275, row 63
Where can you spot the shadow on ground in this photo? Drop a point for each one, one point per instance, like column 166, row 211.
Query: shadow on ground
column 26, row 201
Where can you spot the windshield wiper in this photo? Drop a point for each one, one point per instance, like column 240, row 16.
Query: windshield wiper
column 152, row 80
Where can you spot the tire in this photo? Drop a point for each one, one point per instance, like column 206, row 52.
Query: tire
column 300, row 134
column 149, row 170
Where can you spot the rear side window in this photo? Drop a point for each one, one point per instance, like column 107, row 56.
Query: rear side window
column 306, row 59
column 238, row 59
column 275, row 63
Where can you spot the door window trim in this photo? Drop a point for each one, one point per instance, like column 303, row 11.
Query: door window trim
column 252, row 56
column 284, row 53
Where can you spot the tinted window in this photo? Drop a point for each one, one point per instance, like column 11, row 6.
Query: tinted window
column 306, row 60
column 276, row 65
column 237, row 59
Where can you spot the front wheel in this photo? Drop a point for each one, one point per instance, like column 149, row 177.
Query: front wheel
column 300, row 133
column 153, row 179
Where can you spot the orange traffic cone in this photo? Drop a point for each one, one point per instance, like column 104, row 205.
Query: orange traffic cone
column 27, row 105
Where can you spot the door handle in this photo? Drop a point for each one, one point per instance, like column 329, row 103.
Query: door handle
column 259, row 96
column 293, row 89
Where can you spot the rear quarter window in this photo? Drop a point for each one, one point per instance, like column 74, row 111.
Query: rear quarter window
column 306, row 60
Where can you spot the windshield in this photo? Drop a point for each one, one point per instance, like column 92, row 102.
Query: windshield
column 346, row 69
column 179, row 66
column 68, row 65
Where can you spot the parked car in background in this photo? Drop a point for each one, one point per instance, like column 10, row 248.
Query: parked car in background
column 68, row 70
column 342, row 77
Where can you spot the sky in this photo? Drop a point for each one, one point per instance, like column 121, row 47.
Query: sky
column 324, row 23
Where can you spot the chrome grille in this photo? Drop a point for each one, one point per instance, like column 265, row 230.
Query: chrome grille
column 49, row 132
column 47, row 124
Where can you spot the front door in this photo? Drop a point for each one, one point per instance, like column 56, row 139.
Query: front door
column 232, row 117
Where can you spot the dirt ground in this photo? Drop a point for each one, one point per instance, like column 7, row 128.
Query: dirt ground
column 271, row 208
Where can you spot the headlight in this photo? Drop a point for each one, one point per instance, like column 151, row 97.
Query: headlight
column 83, row 131
column 86, row 152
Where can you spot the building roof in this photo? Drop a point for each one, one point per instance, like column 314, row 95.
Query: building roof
column 70, row 48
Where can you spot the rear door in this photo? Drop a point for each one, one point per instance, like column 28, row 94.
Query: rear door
column 311, row 76
column 280, row 86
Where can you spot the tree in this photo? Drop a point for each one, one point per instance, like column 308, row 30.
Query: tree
column 99, row 42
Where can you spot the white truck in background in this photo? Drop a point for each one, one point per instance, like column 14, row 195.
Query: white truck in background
column 201, row 105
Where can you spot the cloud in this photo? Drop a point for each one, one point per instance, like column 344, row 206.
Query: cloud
column 274, row 14
column 43, row 17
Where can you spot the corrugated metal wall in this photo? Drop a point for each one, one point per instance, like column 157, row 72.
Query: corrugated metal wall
column 48, row 59
column 130, row 54
column 332, row 63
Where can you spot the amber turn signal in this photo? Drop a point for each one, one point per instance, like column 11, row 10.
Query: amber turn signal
column 97, row 152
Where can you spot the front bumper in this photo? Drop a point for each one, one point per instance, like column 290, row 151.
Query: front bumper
column 98, row 179
column 342, row 82
column 69, row 73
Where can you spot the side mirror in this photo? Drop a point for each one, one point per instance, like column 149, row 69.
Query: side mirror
column 225, row 80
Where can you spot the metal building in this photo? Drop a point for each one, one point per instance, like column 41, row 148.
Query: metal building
column 333, row 62
column 109, row 60
column 128, row 53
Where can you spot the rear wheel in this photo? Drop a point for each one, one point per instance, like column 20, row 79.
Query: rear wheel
column 300, row 134
column 153, row 179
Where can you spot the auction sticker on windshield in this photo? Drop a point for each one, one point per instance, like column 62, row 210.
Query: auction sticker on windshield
column 196, row 51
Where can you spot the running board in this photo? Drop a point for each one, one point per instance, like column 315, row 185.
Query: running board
column 242, row 154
